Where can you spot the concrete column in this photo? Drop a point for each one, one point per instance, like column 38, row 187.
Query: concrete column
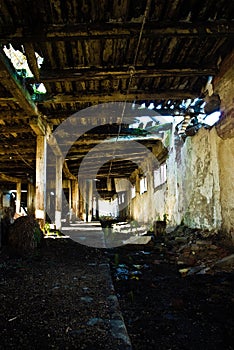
column 30, row 198
column 40, row 198
column 58, row 191
column 18, row 198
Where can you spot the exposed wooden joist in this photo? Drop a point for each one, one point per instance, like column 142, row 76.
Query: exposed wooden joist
column 7, row 178
column 118, row 96
column 14, row 129
column 58, row 32
column 67, row 173
column 140, row 72
column 14, row 87
column 31, row 59
column 22, row 151
column 38, row 125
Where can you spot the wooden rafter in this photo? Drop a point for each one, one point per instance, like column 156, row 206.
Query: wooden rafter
column 119, row 96
column 113, row 30
column 31, row 59
column 7, row 178
column 14, row 87
column 140, row 72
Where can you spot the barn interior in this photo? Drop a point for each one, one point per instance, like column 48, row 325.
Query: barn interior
column 93, row 95
column 117, row 127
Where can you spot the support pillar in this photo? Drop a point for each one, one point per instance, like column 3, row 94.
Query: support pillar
column 18, row 198
column 40, row 198
column 75, row 198
column 30, row 198
column 89, row 200
column 58, row 191
column 81, row 201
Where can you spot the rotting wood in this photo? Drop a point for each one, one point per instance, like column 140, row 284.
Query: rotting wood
column 14, row 129
column 7, row 178
column 114, row 30
column 67, row 173
column 83, row 74
column 38, row 125
column 118, row 96
column 32, row 60
column 12, row 84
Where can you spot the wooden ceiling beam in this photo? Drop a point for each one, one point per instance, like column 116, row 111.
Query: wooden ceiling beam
column 111, row 30
column 84, row 74
column 11, row 83
column 7, row 178
column 13, row 150
column 32, row 60
column 119, row 96
column 14, row 129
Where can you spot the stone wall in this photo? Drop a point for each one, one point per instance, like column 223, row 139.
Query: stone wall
column 199, row 174
column 199, row 187
column 226, row 161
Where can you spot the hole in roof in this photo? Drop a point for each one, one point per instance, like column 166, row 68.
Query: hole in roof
column 20, row 63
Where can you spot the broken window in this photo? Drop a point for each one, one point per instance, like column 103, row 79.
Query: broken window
column 133, row 191
column 143, row 185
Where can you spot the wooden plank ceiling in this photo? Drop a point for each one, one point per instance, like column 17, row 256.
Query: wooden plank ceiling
column 102, row 51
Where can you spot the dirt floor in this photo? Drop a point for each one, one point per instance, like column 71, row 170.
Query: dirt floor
column 57, row 298
column 169, row 302
column 174, row 293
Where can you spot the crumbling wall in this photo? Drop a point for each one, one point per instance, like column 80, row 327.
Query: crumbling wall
column 200, row 178
column 192, row 191
column 148, row 206
column 226, row 161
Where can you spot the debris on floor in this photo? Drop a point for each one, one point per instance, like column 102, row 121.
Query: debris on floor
column 183, row 295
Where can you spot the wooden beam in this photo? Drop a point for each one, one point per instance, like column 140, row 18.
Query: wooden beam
column 52, row 142
column 38, row 125
column 111, row 30
column 84, row 74
column 14, row 129
column 31, row 59
column 7, row 178
column 10, row 82
column 67, row 173
column 119, row 96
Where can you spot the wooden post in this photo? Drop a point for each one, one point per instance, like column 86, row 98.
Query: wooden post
column 84, row 195
column 30, row 198
column 18, row 198
column 75, row 197
column 89, row 200
column 40, row 197
column 58, row 191
column 81, row 199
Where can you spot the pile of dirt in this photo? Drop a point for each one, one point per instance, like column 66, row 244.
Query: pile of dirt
column 24, row 235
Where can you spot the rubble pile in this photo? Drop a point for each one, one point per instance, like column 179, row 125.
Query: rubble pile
column 194, row 251
column 24, row 235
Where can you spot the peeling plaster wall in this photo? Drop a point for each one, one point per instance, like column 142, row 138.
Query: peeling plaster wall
column 200, row 180
column 192, row 191
column 224, row 86
column 226, row 161
column 148, row 206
